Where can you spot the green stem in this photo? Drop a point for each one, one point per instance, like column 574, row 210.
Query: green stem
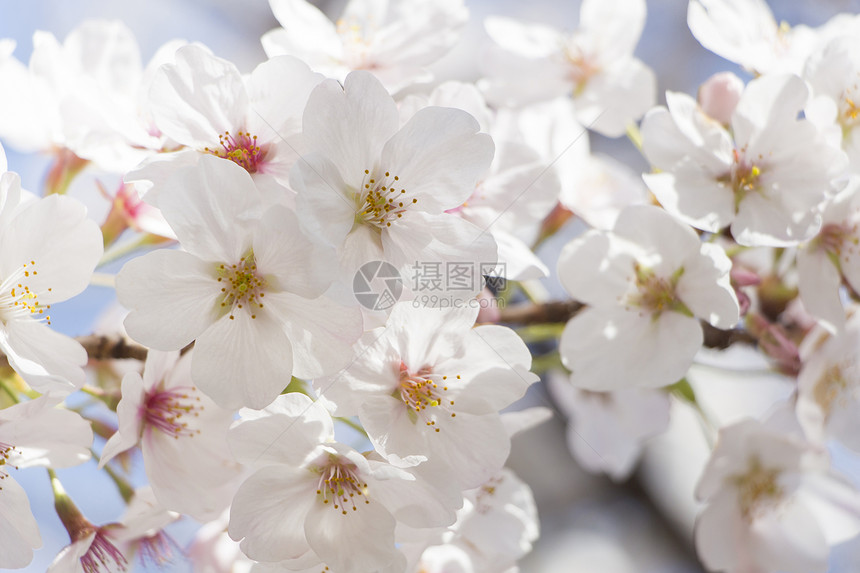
column 119, row 251
column 9, row 391
column 125, row 489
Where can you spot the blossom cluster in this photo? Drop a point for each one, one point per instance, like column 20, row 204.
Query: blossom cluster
column 278, row 377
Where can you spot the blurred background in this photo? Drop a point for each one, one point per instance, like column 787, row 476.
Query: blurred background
column 589, row 523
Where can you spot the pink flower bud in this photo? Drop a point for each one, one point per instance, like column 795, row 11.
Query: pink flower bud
column 719, row 95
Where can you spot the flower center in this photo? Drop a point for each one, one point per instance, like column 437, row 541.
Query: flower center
column 103, row 553
column 5, row 451
column 17, row 300
column 848, row 111
column 380, row 202
column 758, row 489
column 242, row 285
column 743, row 176
column 241, row 149
column 156, row 549
column 581, row 66
column 423, row 390
column 340, row 483
column 834, row 237
column 831, row 389
column 657, row 294
column 167, row 411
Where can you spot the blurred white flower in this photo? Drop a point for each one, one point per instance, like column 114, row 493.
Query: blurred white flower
column 595, row 65
column 394, row 40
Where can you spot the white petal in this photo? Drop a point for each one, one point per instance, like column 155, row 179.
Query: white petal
column 45, row 359
column 286, row 255
column 168, row 288
column 243, row 361
column 612, row 349
column 818, row 282
column 705, row 289
column 438, row 156
column 321, row 332
column 19, row 532
column 198, row 98
column 65, row 245
column 594, row 269
column 349, row 125
column 286, row 431
column 269, row 510
column 212, row 207
column 362, row 540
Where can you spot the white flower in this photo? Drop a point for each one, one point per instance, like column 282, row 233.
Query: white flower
column 181, row 435
column 212, row 550
column 33, row 434
column 766, row 178
column 593, row 186
column 203, row 102
column 48, row 250
column 395, row 40
column 495, row 528
column 745, row 32
column 610, row 87
column 247, row 288
column 606, row 430
column 378, row 191
column 430, row 384
column 772, row 504
column 828, row 385
column 84, row 94
column 314, row 494
column 832, row 73
column 647, row 283
column 831, row 255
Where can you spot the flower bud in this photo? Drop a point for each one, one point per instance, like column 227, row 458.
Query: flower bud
column 719, row 96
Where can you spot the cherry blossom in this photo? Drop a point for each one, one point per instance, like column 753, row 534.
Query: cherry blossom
column 430, row 384
column 85, row 94
column 247, row 289
column 181, row 434
column 647, row 283
column 33, row 434
column 317, row 499
column 766, row 178
column 772, row 503
column 831, row 255
column 610, row 87
column 606, row 430
column 828, row 385
column 378, row 191
column 395, row 40
column 202, row 102
column 48, row 250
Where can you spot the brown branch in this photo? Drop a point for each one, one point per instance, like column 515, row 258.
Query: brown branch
column 111, row 347
column 562, row 311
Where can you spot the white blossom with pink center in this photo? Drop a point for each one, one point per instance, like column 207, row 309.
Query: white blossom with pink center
column 181, row 434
